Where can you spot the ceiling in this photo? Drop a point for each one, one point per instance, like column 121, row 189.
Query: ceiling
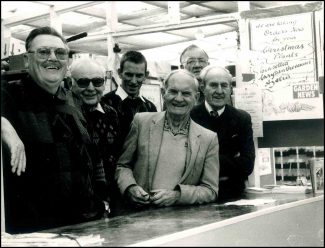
column 141, row 25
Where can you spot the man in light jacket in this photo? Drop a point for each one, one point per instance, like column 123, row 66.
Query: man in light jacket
column 167, row 158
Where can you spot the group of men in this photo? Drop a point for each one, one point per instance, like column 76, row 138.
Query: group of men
column 84, row 155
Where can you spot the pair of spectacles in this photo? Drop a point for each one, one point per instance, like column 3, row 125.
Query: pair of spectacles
column 193, row 61
column 84, row 82
column 45, row 53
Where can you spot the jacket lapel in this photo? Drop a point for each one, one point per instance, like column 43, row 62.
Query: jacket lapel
column 155, row 138
column 192, row 149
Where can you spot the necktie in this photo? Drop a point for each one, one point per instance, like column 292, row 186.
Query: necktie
column 214, row 114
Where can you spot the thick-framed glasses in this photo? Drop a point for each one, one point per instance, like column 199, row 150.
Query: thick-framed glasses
column 45, row 53
column 194, row 61
column 84, row 82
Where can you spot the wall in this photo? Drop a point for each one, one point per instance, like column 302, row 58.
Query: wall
column 292, row 133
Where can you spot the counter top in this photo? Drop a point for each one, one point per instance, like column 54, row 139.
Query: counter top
column 152, row 223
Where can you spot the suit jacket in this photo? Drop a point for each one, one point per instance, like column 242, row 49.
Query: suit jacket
column 199, row 183
column 237, row 151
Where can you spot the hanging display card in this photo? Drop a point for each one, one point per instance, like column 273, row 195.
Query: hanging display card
column 250, row 100
column 264, row 157
column 153, row 93
column 285, row 67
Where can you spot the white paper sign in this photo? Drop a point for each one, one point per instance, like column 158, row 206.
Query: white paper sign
column 153, row 93
column 264, row 161
column 250, row 100
column 285, row 67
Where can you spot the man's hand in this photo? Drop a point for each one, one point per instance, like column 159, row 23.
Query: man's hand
column 15, row 145
column 137, row 195
column 165, row 197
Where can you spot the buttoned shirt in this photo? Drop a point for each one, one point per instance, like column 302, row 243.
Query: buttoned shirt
column 183, row 130
column 121, row 93
column 209, row 109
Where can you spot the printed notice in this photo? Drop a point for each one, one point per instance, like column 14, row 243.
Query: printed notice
column 264, row 157
column 285, row 67
column 250, row 100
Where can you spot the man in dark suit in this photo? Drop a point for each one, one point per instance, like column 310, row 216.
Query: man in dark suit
column 234, row 129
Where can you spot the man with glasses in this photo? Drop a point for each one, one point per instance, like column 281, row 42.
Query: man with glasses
column 194, row 59
column 126, row 99
column 88, row 84
column 234, row 129
column 57, row 186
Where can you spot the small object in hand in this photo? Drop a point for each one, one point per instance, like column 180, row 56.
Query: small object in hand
column 152, row 193
column 107, row 211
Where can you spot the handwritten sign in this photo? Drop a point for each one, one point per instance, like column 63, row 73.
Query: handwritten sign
column 285, row 67
column 250, row 100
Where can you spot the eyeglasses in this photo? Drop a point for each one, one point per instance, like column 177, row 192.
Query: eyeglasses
column 45, row 52
column 84, row 82
column 193, row 61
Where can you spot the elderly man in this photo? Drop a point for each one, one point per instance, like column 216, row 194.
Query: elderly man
column 57, row 187
column 167, row 158
column 88, row 84
column 194, row 59
column 234, row 129
column 127, row 99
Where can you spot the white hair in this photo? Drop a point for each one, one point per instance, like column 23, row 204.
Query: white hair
column 76, row 64
column 206, row 69
column 196, row 83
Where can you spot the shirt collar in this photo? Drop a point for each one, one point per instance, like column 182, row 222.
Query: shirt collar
column 209, row 108
column 183, row 130
column 100, row 108
column 121, row 93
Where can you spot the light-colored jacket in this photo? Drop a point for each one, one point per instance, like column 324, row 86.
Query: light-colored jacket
column 136, row 165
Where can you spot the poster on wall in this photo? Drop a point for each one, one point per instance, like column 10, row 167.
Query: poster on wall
column 284, row 64
column 250, row 99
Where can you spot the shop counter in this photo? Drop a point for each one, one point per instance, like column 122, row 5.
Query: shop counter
column 284, row 220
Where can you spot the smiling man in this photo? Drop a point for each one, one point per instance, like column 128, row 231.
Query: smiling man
column 126, row 99
column 88, row 84
column 194, row 59
column 234, row 129
column 57, row 187
column 167, row 158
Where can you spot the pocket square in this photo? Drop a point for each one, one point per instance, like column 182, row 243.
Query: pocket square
column 235, row 135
